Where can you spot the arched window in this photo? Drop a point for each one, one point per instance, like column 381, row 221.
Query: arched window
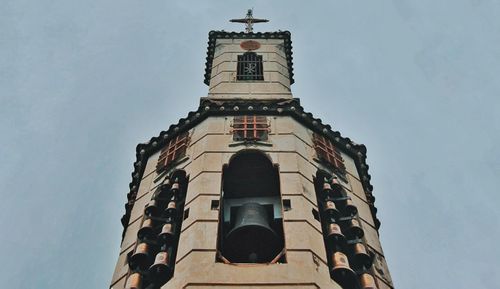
column 251, row 226
column 250, row 67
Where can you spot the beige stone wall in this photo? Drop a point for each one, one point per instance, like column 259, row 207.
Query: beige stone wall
column 289, row 146
column 223, row 83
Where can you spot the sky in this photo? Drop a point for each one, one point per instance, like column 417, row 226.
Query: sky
column 83, row 82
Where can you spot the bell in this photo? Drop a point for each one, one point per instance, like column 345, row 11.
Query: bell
column 171, row 209
column 330, row 209
column 341, row 272
column 175, row 187
column 140, row 258
column 251, row 240
column 146, row 230
column 327, row 189
column 350, row 209
column 134, row 281
column 152, row 208
column 361, row 257
column 160, row 270
column 167, row 234
column 167, row 182
column 367, row 281
column 334, row 235
column 336, row 186
column 164, row 190
column 355, row 231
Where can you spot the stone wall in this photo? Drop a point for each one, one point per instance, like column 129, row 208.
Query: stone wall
column 290, row 147
column 223, row 83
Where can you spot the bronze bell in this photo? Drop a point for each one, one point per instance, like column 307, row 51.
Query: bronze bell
column 341, row 272
column 134, row 281
column 167, row 234
column 175, row 187
column 146, row 230
column 171, row 208
column 336, row 186
column 164, row 190
column 361, row 257
column 152, row 208
column 160, row 270
column 327, row 189
column 140, row 258
column 355, row 230
column 167, row 181
column 251, row 240
column 367, row 281
column 350, row 209
column 334, row 235
column 330, row 209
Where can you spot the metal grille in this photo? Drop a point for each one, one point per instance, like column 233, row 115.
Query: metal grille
column 251, row 127
column 175, row 149
column 327, row 152
column 250, row 67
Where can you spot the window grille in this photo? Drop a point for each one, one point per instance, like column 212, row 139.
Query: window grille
column 250, row 67
column 250, row 127
column 327, row 152
column 174, row 150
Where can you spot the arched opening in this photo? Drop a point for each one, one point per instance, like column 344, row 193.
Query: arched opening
column 251, row 226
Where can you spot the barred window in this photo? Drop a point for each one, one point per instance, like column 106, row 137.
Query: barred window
column 174, row 150
column 250, row 67
column 250, row 127
column 327, row 152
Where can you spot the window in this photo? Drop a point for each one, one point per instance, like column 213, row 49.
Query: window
column 250, row 128
column 287, row 205
column 214, row 206
column 186, row 214
column 316, row 215
column 174, row 150
column 250, row 67
column 327, row 152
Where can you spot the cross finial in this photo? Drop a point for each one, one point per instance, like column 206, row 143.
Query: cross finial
column 249, row 21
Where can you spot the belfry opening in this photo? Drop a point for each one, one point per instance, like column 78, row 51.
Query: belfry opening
column 251, row 221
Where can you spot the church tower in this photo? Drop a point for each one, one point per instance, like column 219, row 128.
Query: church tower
column 250, row 190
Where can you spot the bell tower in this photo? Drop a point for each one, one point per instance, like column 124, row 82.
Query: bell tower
column 250, row 190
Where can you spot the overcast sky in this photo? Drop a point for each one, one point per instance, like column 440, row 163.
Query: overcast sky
column 83, row 82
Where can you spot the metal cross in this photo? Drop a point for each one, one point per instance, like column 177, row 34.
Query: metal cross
column 249, row 21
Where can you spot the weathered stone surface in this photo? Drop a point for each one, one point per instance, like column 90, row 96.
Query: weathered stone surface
column 121, row 268
column 198, row 269
column 131, row 234
column 371, row 237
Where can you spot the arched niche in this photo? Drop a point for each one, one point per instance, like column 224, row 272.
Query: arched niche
column 251, row 221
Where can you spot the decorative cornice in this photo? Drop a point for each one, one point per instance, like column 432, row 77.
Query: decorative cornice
column 210, row 107
column 214, row 35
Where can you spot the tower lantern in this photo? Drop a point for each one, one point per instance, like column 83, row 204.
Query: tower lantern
column 250, row 190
